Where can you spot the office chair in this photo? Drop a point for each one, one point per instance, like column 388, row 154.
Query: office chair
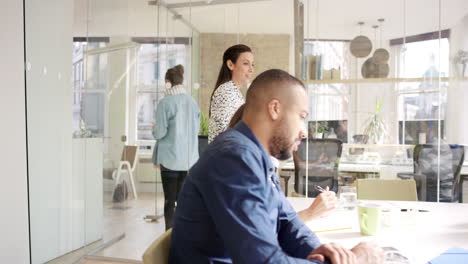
column 394, row 190
column 202, row 143
column 358, row 139
column 158, row 251
column 127, row 162
column 323, row 160
column 426, row 168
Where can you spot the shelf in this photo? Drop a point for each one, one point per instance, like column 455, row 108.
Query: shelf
column 372, row 146
column 386, row 80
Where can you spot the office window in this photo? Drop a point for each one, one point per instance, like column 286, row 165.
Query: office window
column 334, row 61
column 153, row 60
column 89, row 84
column 419, row 117
column 328, row 102
column 422, row 104
column 328, row 108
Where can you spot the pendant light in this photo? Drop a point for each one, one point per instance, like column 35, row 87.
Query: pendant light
column 381, row 55
column 360, row 46
column 369, row 68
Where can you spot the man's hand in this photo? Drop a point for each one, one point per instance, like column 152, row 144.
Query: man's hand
column 335, row 253
column 368, row 253
column 156, row 166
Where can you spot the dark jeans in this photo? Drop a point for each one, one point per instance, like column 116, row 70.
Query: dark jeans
column 172, row 183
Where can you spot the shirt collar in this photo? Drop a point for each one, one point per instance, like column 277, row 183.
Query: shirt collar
column 176, row 89
column 245, row 130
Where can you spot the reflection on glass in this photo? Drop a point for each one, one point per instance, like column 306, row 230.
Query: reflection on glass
column 89, row 81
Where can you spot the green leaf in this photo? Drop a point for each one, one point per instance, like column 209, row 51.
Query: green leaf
column 204, row 122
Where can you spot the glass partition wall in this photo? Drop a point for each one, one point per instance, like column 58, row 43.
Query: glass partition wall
column 95, row 78
column 96, row 69
column 382, row 92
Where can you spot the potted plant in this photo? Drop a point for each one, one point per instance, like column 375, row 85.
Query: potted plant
column 375, row 127
column 317, row 129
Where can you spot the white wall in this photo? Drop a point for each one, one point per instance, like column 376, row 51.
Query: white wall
column 14, row 240
column 457, row 127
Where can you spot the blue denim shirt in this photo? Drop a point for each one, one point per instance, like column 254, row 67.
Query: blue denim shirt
column 231, row 209
column 177, row 121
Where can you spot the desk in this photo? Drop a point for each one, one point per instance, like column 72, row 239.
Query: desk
column 433, row 232
column 390, row 169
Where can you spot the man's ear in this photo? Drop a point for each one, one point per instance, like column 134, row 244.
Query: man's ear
column 230, row 65
column 274, row 109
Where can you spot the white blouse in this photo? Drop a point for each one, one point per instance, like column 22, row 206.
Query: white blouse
column 225, row 102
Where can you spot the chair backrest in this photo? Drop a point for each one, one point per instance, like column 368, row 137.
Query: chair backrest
column 428, row 163
column 130, row 154
column 394, row 190
column 323, row 160
column 158, row 251
column 358, row 139
column 202, row 143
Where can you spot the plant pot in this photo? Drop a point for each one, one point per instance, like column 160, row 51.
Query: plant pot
column 461, row 69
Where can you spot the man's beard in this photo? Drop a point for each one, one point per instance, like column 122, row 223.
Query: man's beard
column 279, row 145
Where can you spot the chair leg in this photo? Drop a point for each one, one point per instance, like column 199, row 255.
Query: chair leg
column 116, row 177
column 130, row 173
column 286, row 180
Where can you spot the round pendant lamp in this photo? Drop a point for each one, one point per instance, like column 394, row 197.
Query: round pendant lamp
column 360, row 46
column 381, row 55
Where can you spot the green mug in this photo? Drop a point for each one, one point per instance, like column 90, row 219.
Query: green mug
column 369, row 219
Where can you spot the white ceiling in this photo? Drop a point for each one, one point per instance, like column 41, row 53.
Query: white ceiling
column 337, row 19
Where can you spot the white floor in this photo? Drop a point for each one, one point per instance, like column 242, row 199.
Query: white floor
column 124, row 218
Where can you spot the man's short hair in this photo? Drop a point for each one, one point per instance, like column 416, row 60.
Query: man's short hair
column 269, row 84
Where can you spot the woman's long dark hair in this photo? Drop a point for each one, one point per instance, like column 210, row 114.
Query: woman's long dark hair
column 225, row 74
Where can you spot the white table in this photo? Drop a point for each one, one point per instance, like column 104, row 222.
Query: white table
column 387, row 171
column 421, row 237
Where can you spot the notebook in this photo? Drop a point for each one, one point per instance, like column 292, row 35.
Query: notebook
column 452, row 256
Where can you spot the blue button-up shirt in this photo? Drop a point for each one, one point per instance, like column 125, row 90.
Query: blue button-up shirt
column 231, row 208
column 177, row 120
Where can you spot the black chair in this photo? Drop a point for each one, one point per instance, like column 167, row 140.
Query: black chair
column 323, row 161
column 202, row 143
column 426, row 169
column 358, row 139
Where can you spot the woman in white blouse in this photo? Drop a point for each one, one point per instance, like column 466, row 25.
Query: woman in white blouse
column 236, row 71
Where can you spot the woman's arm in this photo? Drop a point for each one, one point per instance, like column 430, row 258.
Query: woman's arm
column 323, row 203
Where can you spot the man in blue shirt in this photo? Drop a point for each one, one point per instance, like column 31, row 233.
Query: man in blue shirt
column 231, row 208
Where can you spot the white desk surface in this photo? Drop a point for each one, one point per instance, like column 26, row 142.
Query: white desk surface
column 421, row 237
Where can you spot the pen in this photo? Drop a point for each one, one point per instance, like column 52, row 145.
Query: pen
column 320, row 189
column 420, row 210
column 321, row 231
